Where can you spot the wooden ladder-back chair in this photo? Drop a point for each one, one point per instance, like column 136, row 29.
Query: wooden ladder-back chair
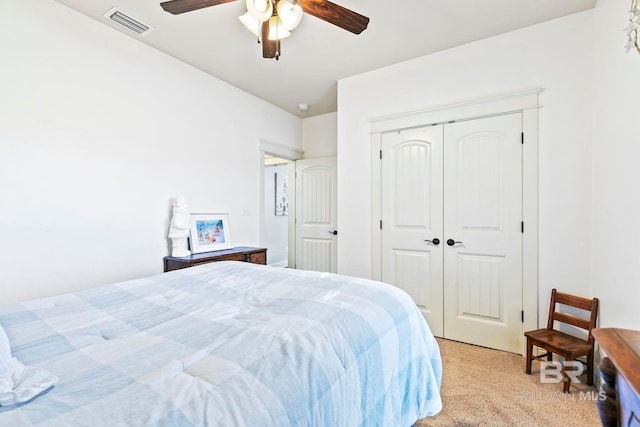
column 561, row 343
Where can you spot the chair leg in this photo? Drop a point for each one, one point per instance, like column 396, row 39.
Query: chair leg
column 527, row 368
column 590, row 367
column 566, row 378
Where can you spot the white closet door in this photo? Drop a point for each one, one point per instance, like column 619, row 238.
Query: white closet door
column 482, row 232
column 459, row 183
column 411, row 215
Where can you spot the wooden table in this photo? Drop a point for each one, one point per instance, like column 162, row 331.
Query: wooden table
column 240, row 253
column 620, row 372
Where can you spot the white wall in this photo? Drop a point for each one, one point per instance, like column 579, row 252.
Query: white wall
column 276, row 227
column 555, row 56
column 319, row 136
column 98, row 133
column 616, row 175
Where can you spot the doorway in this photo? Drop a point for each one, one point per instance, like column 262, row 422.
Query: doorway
column 299, row 221
column 275, row 234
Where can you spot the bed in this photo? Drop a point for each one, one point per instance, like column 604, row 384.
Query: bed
column 223, row 344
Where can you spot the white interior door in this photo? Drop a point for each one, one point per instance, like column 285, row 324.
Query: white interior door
column 316, row 212
column 483, row 248
column 412, row 226
column 460, row 183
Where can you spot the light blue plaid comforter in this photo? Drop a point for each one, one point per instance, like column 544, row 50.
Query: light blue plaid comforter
column 228, row 344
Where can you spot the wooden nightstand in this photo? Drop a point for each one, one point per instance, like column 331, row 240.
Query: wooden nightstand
column 240, row 253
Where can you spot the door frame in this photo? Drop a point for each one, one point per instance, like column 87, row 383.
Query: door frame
column 525, row 102
column 284, row 152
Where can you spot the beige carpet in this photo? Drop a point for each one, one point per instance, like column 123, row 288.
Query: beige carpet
column 483, row 387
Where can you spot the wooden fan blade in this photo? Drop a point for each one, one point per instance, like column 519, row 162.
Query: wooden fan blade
column 336, row 15
column 270, row 48
column 181, row 6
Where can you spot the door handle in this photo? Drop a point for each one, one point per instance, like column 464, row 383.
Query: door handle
column 434, row 242
column 452, row 242
column 334, row 232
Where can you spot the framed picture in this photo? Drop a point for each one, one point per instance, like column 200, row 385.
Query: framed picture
column 281, row 194
column 209, row 232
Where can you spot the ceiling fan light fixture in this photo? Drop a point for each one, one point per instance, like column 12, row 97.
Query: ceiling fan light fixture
column 260, row 10
column 251, row 23
column 290, row 14
column 277, row 31
column 283, row 16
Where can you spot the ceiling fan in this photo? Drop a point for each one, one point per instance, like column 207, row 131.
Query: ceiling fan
column 272, row 20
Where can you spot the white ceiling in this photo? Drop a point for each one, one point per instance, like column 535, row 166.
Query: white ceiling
column 318, row 54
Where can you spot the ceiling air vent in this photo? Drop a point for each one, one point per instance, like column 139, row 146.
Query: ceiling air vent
column 128, row 22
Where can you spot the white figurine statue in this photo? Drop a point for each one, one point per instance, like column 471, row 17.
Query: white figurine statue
column 179, row 228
